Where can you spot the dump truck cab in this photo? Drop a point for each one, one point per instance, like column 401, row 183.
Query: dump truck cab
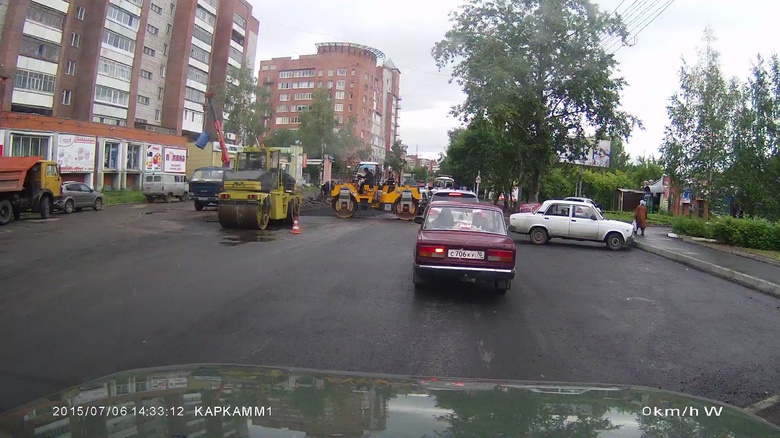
column 28, row 184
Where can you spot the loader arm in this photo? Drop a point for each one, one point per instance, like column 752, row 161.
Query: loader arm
column 218, row 127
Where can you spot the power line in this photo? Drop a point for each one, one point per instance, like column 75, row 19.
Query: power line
column 639, row 19
column 607, row 37
column 628, row 20
column 658, row 14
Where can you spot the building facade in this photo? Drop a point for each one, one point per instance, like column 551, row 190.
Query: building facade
column 131, row 64
column 358, row 85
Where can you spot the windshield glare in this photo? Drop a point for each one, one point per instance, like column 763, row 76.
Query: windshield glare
column 465, row 219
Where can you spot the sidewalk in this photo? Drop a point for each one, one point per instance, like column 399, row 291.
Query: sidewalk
column 754, row 274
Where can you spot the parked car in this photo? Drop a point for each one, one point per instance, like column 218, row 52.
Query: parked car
column 77, row 195
column 465, row 241
column 206, row 184
column 588, row 200
column 571, row 220
column 165, row 186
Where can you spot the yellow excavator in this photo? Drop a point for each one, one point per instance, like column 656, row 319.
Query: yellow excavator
column 364, row 194
column 259, row 190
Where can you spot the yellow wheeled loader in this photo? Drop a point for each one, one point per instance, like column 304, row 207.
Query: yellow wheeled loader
column 348, row 198
column 259, row 191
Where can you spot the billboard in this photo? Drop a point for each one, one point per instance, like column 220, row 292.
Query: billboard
column 597, row 156
column 153, row 158
column 175, row 160
column 76, row 153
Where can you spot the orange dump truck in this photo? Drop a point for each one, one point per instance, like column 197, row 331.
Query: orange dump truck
column 28, row 184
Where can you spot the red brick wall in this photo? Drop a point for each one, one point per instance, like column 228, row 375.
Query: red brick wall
column 176, row 71
column 9, row 44
column 86, row 57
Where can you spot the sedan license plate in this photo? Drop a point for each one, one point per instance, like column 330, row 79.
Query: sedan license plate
column 463, row 254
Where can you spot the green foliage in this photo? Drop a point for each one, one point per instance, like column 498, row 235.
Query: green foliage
column 420, row 173
column 318, row 126
column 248, row 104
column 693, row 227
column 281, row 138
column 747, row 233
column 601, row 186
column 557, row 183
column 395, row 157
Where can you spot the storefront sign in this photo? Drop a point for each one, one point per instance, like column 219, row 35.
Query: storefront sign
column 232, row 149
column 76, row 153
column 175, row 160
column 154, row 158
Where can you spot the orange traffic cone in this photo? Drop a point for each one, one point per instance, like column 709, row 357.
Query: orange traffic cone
column 296, row 229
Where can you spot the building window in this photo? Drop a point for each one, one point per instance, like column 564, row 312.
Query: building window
column 340, row 95
column 45, row 16
column 299, row 108
column 342, row 72
column 353, row 72
column 304, row 96
column 162, row 71
column 194, row 95
column 365, row 99
column 199, row 54
column 319, row 73
column 156, row 9
column 118, row 41
column 173, row 7
column 350, row 108
column 284, row 85
column 362, row 134
column 146, row 74
column 365, row 87
column 75, row 39
column 338, row 107
column 351, row 84
column 160, row 92
column 109, row 67
column 302, row 85
column 109, row 121
column 143, row 100
column 110, row 155
column 236, row 54
column 123, row 17
column 340, row 85
column 283, row 108
column 202, row 34
column 364, row 111
column 285, row 74
column 70, row 68
column 239, row 20
column 165, row 50
column 340, row 120
column 205, row 15
column 330, row 73
column 156, row 115
column 330, row 85
column 39, row 49
column 34, row 81
column 282, row 120
column 66, row 96
column 284, row 97
column 111, row 96
column 304, row 73
column 365, row 76
column 29, row 146
column 152, row 30
column 319, row 84
column 295, row 120
column 198, row 75
column 80, row 13
column 149, row 51
column 169, row 29
column 134, row 157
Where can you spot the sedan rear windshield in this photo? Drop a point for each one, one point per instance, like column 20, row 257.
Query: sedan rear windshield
column 208, row 175
column 455, row 196
column 465, row 219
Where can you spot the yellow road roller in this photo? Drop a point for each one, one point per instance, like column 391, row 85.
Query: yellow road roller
column 259, row 190
column 363, row 194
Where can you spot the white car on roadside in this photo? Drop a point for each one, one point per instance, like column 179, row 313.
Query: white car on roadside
column 571, row 220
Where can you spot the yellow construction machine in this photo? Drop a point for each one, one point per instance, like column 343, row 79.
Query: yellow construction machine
column 403, row 201
column 259, row 190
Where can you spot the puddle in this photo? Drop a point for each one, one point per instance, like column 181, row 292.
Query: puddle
column 240, row 238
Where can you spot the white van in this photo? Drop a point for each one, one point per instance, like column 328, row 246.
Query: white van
column 165, row 186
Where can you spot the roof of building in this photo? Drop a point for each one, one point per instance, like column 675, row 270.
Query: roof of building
column 390, row 65
column 345, row 45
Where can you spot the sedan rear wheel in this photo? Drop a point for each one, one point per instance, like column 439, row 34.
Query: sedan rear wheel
column 539, row 236
column 615, row 241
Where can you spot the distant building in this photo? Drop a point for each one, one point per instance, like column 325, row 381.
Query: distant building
column 357, row 85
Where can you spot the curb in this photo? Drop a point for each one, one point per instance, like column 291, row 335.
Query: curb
column 748, row 281
column 763, row 404
column 733, row 251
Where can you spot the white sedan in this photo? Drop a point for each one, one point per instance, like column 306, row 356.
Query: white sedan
column 571, row 220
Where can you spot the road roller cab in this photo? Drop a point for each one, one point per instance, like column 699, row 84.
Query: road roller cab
column 367, row 192
column 259, row 190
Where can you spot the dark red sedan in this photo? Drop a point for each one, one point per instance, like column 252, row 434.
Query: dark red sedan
column 465, row 241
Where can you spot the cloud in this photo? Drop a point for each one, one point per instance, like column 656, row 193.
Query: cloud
column 406, row 30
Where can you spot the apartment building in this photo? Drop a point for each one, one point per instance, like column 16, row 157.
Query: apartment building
column 137, row 64
column 358, row 84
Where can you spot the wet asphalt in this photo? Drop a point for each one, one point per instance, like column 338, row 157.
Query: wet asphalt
column 93, row 293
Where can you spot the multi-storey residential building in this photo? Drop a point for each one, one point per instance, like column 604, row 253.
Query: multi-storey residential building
column 358, row 87
column 143, row 64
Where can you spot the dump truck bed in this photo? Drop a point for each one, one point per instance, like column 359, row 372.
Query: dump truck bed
column 13, row 171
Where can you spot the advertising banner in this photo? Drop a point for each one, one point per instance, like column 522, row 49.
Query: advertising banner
column 597, row 156
column 175, row 160
column 76, row 153
column 154, row 158
column 232, row 149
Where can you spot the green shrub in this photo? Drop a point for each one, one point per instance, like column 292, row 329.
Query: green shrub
column 747, row 233
column 693, row 227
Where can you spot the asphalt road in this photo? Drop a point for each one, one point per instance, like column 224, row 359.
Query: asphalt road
column 92, row 293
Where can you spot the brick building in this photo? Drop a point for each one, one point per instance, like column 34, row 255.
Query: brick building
column 358, row 86
column 125, row 63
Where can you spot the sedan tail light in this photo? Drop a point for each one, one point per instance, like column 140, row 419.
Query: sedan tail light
column 498, row 255
column 431, row 251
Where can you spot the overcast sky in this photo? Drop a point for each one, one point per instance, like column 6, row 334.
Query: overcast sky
column 406, row 30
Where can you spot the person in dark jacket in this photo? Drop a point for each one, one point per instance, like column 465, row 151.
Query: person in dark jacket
column 368, row 180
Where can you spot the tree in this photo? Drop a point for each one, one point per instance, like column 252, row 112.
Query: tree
column 396, row 158
column 348, row 143
column 247, row 104
column 537, row 71
column 281, row 138
column 318, row 126
column 618, row 158
column 695, row 142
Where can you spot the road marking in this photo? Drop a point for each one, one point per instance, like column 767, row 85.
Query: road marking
column 38, row 221
column 763, row 404
column 641, row 299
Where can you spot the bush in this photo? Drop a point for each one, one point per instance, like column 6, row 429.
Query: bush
column 692, row 227
column 747, row 233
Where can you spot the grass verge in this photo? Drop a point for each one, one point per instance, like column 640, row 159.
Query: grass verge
column 628, row 216
column 115, row 197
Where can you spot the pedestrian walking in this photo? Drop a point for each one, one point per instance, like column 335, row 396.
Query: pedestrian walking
column 641, row 216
